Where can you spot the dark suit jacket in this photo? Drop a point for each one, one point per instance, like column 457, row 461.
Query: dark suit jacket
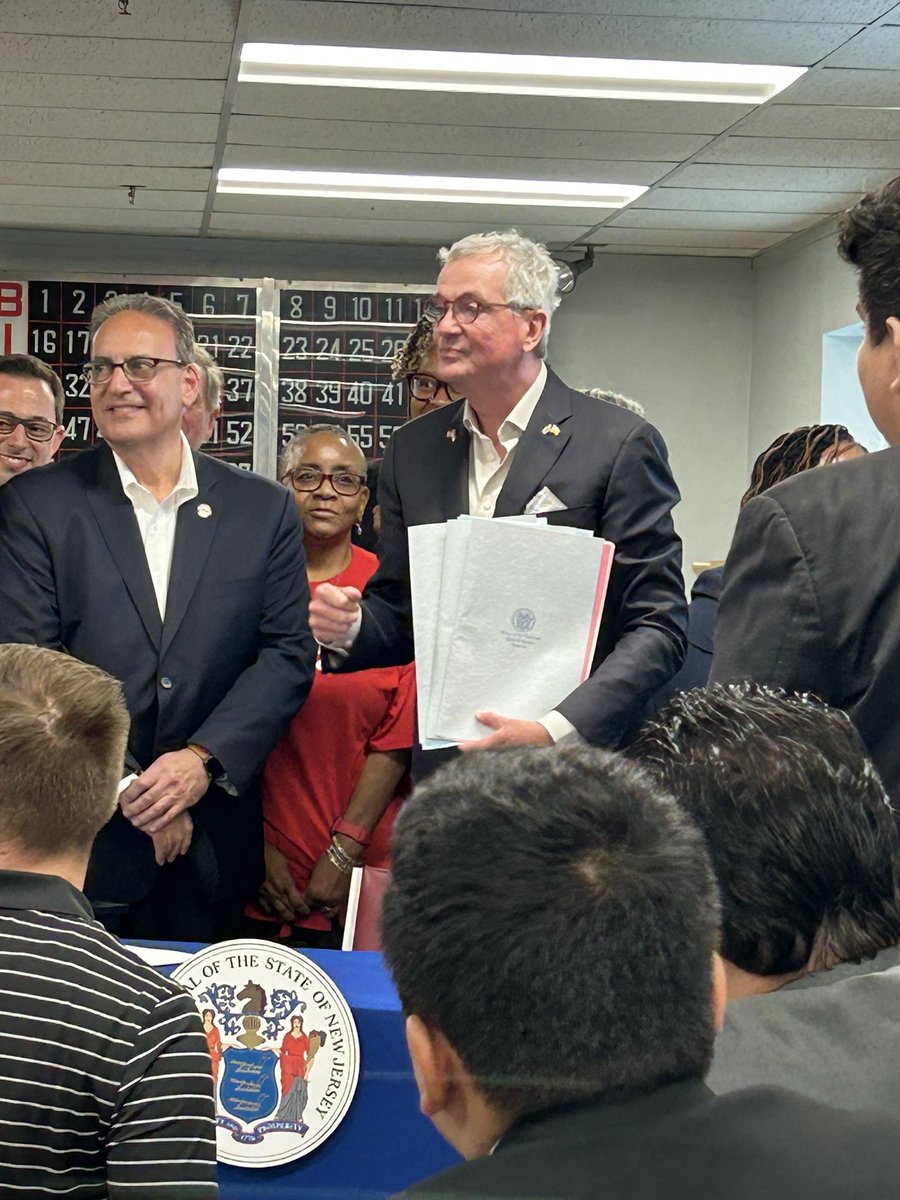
column 684, row 1143
column 811, row 601
column 610, row 468
column 702, row 613
column 228, row 668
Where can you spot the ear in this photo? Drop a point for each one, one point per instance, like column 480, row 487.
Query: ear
column 435, row 1065
column 893, row 332
column 191, row 385
column 363, row 501
column 57, row 440
column 537, row 323
column 719, row 991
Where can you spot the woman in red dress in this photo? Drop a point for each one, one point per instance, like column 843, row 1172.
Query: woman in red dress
column 332, row 786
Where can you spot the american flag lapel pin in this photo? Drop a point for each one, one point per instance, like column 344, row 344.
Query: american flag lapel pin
column 451, row 434
column 552, row 430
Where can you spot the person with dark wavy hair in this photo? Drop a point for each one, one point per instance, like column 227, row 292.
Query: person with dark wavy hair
column 811, row 601
column 805, row 847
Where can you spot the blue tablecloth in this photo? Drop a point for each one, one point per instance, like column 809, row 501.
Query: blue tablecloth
column 384, row 1143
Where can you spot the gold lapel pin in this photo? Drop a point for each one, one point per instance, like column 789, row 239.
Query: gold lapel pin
column 204, row 511
column 451, row 434
column 553, row 430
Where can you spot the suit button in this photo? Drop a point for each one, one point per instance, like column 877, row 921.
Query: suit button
column 165, row 682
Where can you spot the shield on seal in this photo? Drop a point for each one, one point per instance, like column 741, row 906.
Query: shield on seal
column 249, row 1091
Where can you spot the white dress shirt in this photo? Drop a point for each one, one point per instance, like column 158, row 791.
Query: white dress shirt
column 156, row 518
column 487, row 471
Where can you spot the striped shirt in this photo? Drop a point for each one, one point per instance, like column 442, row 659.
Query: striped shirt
column 105, row 1079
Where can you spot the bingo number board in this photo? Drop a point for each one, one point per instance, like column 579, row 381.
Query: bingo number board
column 58, row 320
column 336, row 344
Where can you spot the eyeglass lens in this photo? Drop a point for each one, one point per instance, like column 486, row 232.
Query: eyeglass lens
column 308, row 479
column 36, row 428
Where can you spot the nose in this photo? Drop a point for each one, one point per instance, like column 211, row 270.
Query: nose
column 448, row 312
column 325, row 487
column 118, row 379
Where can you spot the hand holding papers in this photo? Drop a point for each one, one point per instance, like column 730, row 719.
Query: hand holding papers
column 506, row 615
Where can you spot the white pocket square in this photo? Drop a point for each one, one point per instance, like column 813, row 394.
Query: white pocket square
column 543, row 502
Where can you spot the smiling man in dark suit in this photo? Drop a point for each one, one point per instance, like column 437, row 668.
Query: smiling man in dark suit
column 522, row 441
column 184, row 578
column 811, row 601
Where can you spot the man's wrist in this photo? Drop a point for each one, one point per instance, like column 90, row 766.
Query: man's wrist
column 211, row 764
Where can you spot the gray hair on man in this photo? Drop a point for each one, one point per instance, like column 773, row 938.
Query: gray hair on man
column 154, row 306
column 213, row 378
column 615, row 398
column 532, row 277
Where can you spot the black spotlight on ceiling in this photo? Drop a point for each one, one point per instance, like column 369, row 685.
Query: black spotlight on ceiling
column 569, row 271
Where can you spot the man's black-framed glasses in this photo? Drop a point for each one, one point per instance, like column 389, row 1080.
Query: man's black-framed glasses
column 466, row 309
column 139, row 369
column 426, row 387
column 37, row 429
column 310, row 479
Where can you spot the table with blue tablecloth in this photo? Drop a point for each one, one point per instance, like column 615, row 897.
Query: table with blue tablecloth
column 384, row 1143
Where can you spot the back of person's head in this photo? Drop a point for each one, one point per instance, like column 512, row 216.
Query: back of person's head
column 870, row 241
column 63, row 729
column 26, row 366
column 554, row 917
column 799, row 827
column 532, row 277
column 798, row 450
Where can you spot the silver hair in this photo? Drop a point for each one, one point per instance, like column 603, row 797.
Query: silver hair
column 155, row 306
column 532, row 277
column 212, row 378
column 294, row 448
column 615, row 398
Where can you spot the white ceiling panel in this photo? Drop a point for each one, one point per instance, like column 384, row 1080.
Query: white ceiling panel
column 804, row 152
column 104, row 91
column 112, row 123
column 199, row 20
column 788, row 179
column 709, row 238
column 814, row 11
column 746, row 202
column 427, row 163
column 125, row 220
column 505, row 112
column 63, row 151
column 874, row 49
column 456, row 140
column 124, row 57
column 835, row 86
column 147, row 199
column 821, row 121
column 337, row 22
column 659, row 218
column 101, row 175
column 380, row 230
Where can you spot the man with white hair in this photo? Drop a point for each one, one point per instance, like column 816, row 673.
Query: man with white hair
column 521, row 441
column 200, row 414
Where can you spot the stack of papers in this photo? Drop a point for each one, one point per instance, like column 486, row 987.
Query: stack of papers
column 505, row 616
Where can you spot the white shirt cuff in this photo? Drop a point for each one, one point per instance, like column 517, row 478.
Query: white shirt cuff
column 560, row 729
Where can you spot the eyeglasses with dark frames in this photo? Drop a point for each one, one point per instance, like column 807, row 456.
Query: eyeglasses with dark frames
column 139, row 369
column 426, row 387
column 37, row 429
column 310, row 479
column 466, row 309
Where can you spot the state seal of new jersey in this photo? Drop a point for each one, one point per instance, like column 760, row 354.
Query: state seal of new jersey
column 283, row 1046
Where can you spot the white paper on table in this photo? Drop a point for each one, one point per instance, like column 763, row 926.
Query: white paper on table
column 426, row 561
column 527, row 619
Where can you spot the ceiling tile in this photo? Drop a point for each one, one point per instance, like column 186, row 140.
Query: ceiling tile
column 823, row 121
column 147, row 199
column 91, row 123
column 122, row 57
column 789, row 179
column 877, row 49
column 720, row 238
column 200, row 20
column 108, row 152
column 101, row 175
column 733, row 200
column 804, row 152
column 835, row 86
column 107, row 220
column 109, row 92
column 735, row 219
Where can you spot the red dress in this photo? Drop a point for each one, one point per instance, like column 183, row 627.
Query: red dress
column 294, row 1049
column 310, row 775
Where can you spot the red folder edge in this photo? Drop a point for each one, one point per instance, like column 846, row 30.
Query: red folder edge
column 603, row 575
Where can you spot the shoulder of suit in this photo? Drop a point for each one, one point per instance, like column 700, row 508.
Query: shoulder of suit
column 211, row 469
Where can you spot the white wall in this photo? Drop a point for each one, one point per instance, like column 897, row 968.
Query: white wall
column 675, row 334
column 800, row 292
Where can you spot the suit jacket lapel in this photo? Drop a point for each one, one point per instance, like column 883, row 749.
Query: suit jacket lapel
column 194, row 535
column 449, row 472
column 118, row 525
column 537, row 451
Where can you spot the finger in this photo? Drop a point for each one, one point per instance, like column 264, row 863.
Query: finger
column 491, row 719
column 132, row 792
column 160, row 855
column 492, row 742
column 159, row 817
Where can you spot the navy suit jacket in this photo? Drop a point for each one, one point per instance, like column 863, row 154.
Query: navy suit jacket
column 610, row 469
column 228, row 667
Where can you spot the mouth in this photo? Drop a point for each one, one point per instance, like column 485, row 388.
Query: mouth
column 124, row 409
column 14, row 462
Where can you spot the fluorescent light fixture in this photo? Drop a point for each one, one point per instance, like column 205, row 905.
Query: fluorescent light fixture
column 513, row 74
column 437, row 188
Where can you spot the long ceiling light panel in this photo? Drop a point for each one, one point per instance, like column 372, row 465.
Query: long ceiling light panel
column 513, row 74
column 446, row 188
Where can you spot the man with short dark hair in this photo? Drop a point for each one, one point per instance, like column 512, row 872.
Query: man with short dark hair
column 811, row 601
column 31, row 414
column 551, row 928
column 805, row 848
column 185, row 578
column 107, row 1090
column 523, row 442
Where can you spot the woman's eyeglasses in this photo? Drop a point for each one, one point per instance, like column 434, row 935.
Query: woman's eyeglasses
column 426, row 387
column 310, row 479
